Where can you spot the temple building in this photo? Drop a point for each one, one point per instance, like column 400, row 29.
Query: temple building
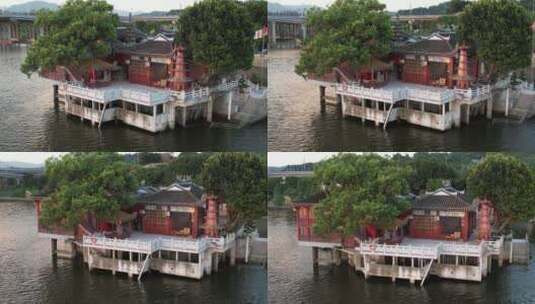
column 444, row 234
column 433, row 82
column 176, row 230
column 444, row 214
column 147, row 83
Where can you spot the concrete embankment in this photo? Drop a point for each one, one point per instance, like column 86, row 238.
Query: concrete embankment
column 251, row 250
column 15, row 199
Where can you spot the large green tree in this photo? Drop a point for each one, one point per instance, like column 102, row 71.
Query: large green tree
column 218, row 34
column 81, row 183
column 257, row 9
column 508, row 183
column 352, row 31
column 190, row 164
column 500, row 30
column 240, row 179
column 360, row 190
column 455, row 6
column 80, row 31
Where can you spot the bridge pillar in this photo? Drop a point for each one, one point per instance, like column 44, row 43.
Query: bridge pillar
column 489, row 106
column 274, row 32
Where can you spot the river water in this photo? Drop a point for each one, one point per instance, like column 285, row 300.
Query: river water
column 29, row 122
column 29, row 274
column 291, row 279
column 297, row 124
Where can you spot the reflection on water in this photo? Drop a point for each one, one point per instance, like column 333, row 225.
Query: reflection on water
column 30, row 275
column 291, row 279
column 297, row 124
column 29, row 122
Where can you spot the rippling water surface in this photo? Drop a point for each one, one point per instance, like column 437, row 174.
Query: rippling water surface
column 291, row 279
column 29, row 122
column 297, row 124
column 28, row 274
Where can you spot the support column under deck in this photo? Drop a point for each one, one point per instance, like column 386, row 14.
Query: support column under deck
column 209, row 109
column 337, row 257
column 216, row 262
column 233, row 256
column 171, row 113
column 229, row 115
column 54, row 247
column 184, row 118
column 489, row 106
column 322, row 98
column 315, row 257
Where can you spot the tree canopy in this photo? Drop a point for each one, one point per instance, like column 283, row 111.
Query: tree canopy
column 80, row 31
column 352, row 31
column 81, row 183
column 257, row 9
column 455, row 6
column 500, row 30
column 360, row 190
column 240, row 179
column 191, row 163
column 507, row 182
column 296, row 188
column 218, row 34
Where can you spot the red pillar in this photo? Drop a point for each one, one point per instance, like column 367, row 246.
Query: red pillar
column 484, row 221
column 463, row 81
column 211, row 217
column 168, row 223
column 464, row 226
column 450, row 73
column 426, row 74
column 194, row 223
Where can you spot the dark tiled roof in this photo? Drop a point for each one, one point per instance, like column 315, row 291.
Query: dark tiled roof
column 428, row 47
column 151, row 47
column 313, row 199
column 171, row 198
column 442, row 202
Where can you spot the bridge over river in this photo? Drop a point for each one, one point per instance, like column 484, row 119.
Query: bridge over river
column 18, row 29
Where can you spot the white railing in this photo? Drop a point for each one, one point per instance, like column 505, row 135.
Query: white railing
column 163, row 243
column 111, row 94
column 118, row 244
column 399, row 250
column 370, row 93
column 473, row 94
column 429, row 95
column 461, row 249
column 193, row 96
column 193, row 245
column 143, row 97
column 394, row 95
column 429, row 252
column 86, row 93
column 221, row 243
column 227, row 86
column 495, row 247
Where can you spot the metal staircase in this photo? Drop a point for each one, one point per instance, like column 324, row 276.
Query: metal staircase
column 145, row 266
column 427, row 269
